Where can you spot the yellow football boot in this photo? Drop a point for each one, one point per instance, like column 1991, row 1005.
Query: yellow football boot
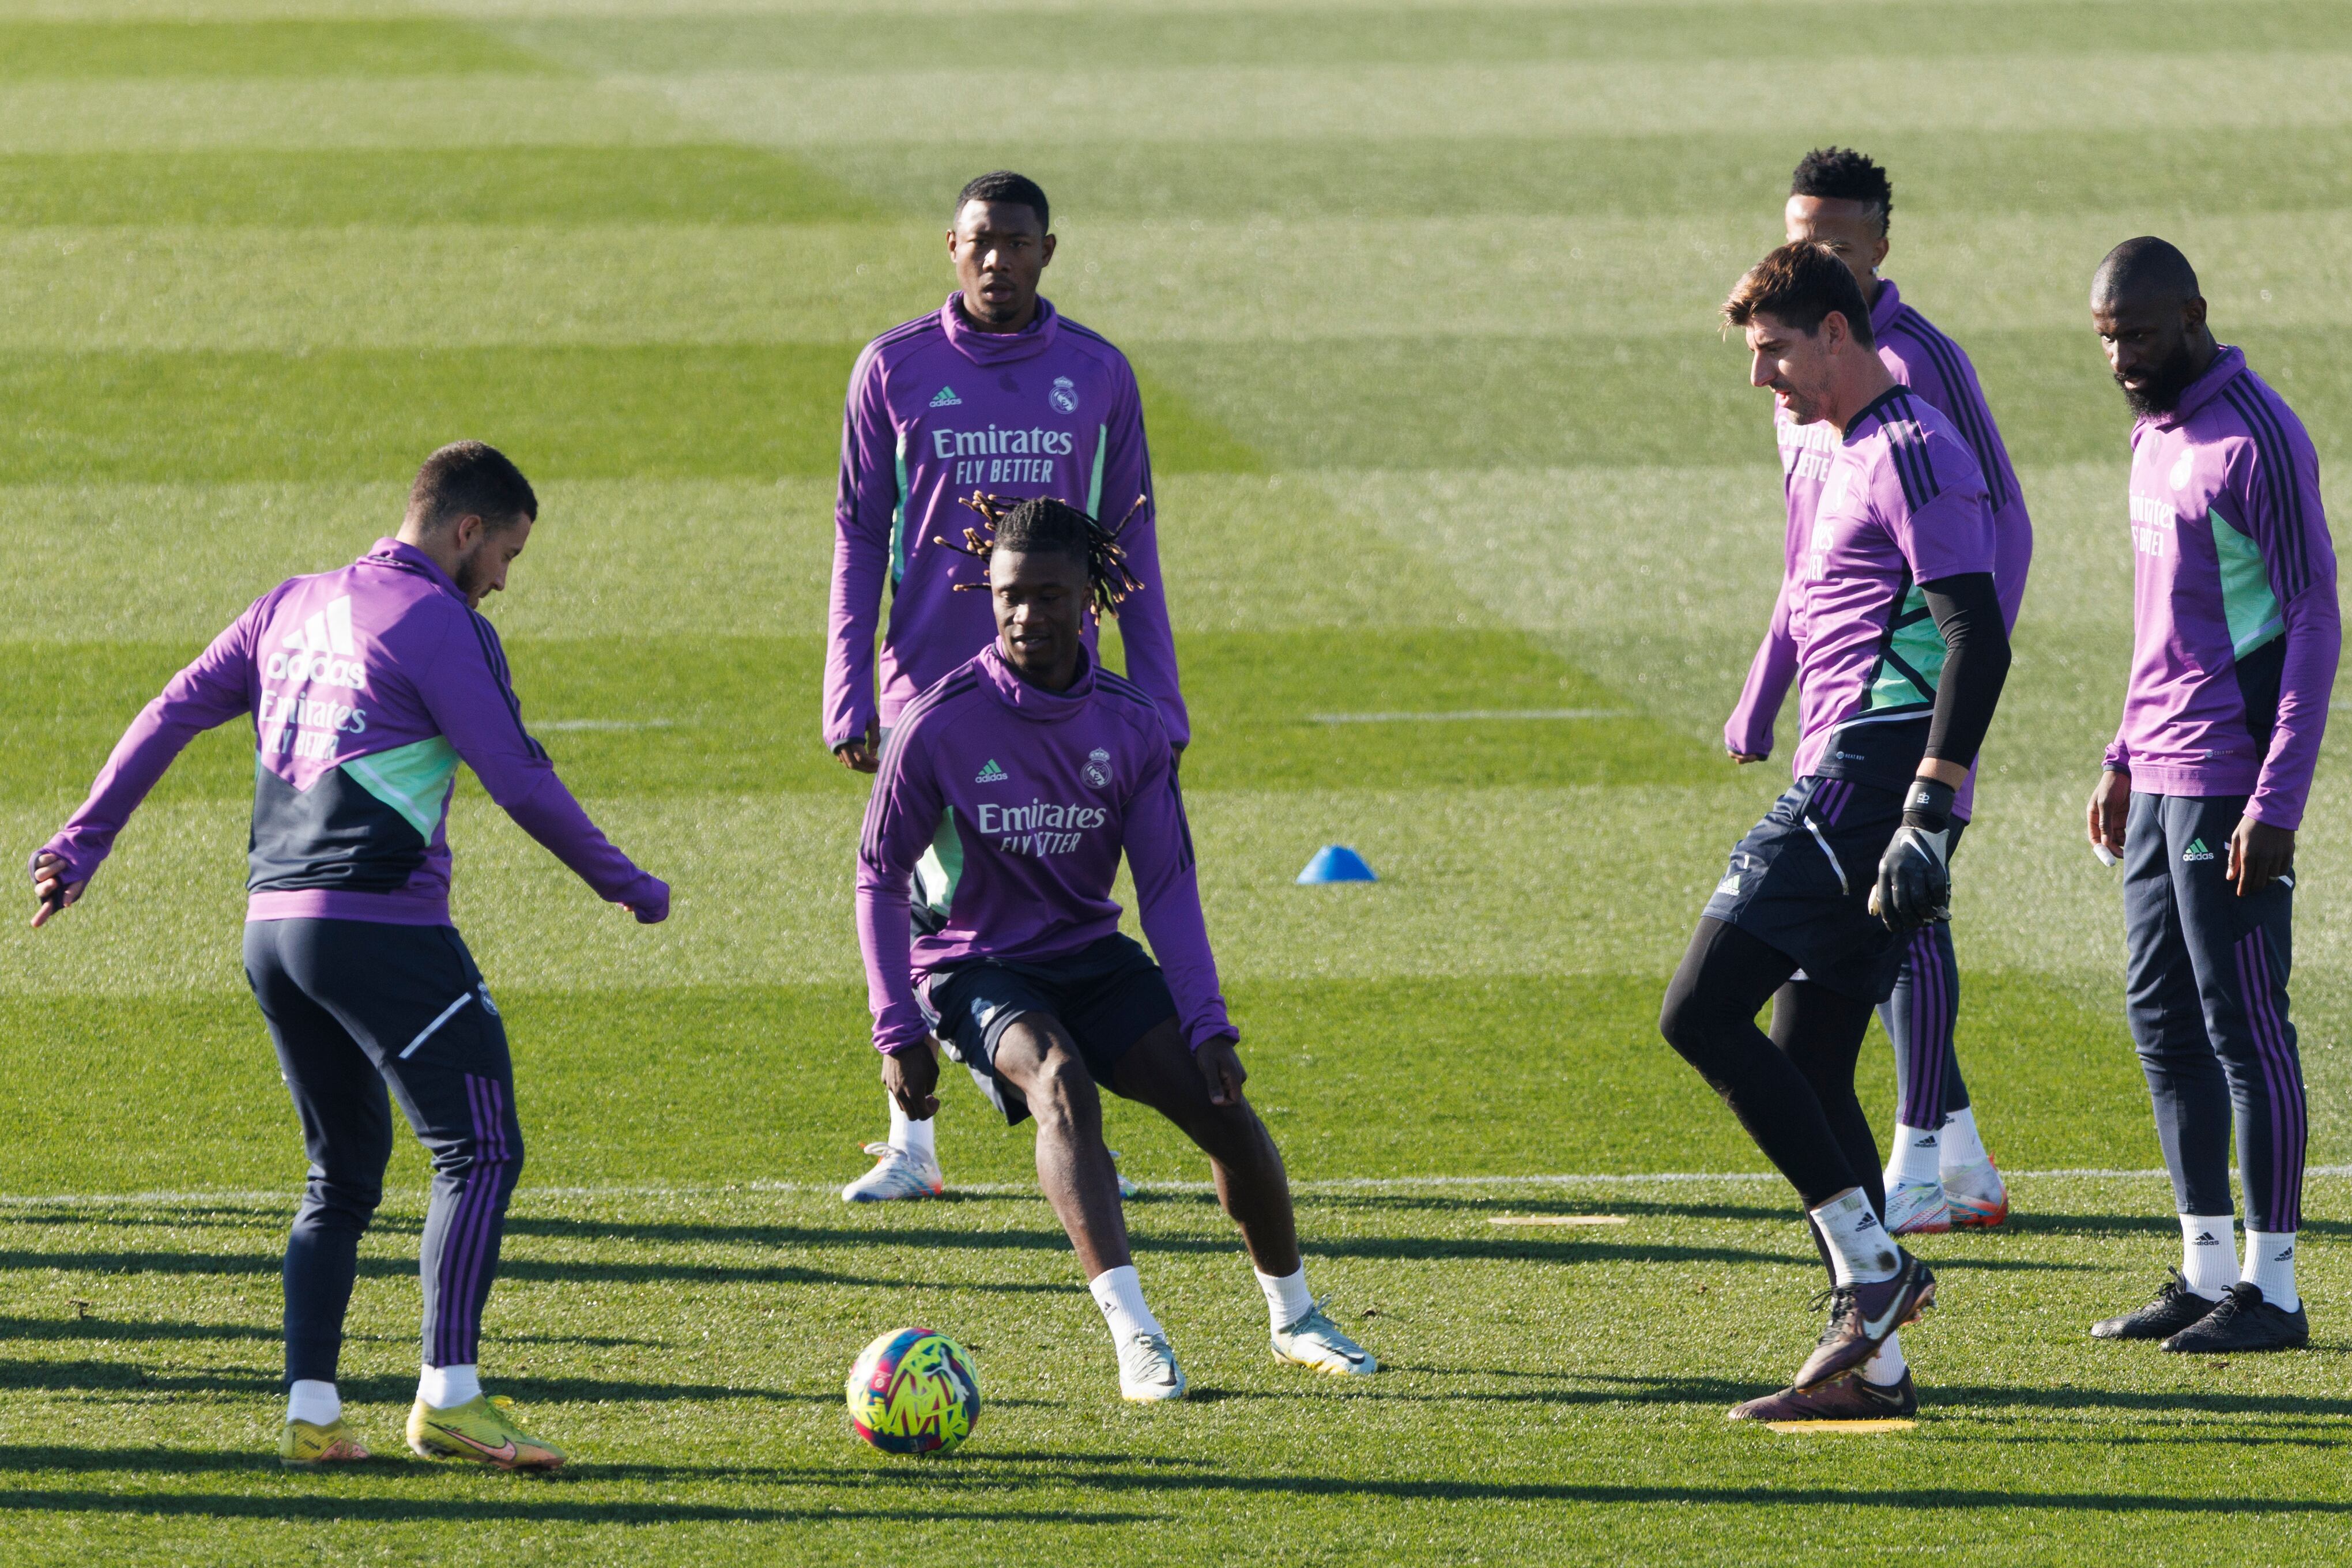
column 482, row 1431
column 304, row 1446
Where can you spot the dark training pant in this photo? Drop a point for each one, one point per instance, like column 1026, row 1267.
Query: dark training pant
column 1793, row 1091
column 2207, row 1001
column 363, row 1015
column 1919, row 1018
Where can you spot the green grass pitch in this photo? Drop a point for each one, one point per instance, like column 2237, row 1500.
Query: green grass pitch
column 1420, row 293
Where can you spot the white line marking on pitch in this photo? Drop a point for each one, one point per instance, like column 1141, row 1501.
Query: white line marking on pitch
column 1027, row 1189
column 1555, row 1219
column 1472, row 713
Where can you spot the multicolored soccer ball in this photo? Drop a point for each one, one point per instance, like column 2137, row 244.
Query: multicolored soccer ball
column 914, row 1392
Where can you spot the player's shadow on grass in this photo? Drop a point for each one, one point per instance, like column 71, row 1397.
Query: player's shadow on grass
column 1587, row 1249
column 560, row 1271
column 547, row 1508
column 2159, row 1225
column 109, row 1377
column 1625, row 1208
column 18, row 1329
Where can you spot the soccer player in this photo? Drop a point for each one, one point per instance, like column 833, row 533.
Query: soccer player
column 367, row 686
column 2235, row 638
column 1902, row 650
column 1939, row 1174
column 996, row 391
column 1023, row 775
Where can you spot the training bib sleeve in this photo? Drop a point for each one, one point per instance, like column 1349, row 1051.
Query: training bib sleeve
column 210, row 691
column 1143, row 627
column 469, row 693
column 864, row 512
column 1158, row 845
column 1749, row 732
column 900, row 821
column 2280, row 501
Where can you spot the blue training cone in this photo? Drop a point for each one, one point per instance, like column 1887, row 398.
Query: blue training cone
column 1336, row 863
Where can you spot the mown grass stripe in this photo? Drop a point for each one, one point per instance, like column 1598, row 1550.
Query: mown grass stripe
column 283, row 46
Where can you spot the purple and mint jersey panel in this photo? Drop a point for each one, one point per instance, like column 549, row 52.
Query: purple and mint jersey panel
column 366, row 686
column 996, row 832
column 1938, row 373
column 2236, row 631
column 1903, row 504
column 937, row 411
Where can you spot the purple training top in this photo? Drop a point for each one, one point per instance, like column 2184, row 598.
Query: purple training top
column 1903, row 504
column 937, row 410
column 2235, row 629
column 1000, row 816
column 367, row 686
column 1939, row 374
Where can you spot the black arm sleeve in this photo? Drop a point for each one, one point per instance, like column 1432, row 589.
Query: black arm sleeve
column 1976, row 663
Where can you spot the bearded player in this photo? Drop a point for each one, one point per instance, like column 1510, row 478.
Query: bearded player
column 366, row 687
column 1015, row 785
column 2236, row 635
column 1902, row 650
column 1939, row 1174
column 994, row 391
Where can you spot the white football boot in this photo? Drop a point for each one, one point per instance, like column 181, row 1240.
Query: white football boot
column 1147, row 1371
column 896, row 1174
column 1916, row 1208
column 1316, row 1343
column 1977, row 1195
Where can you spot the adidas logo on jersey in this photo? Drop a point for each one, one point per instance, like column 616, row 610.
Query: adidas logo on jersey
column 320, row 649
column 2196, row 851
column 946, row 398
column 991, row 773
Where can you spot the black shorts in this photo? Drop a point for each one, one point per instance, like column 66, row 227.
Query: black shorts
column 1105, row 996
column 1800, row 883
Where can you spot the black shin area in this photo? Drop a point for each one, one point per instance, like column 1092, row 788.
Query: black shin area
column 1709, row 1017
column 1822, row 1033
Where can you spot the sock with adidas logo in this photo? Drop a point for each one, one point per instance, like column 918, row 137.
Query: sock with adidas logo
column 1860, row 1252
column 1918, row 1152
column 1962, row 1146
column 2208, row 1259
column 2270, row 1266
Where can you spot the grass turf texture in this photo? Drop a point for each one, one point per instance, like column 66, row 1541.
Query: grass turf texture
column 1420, row 298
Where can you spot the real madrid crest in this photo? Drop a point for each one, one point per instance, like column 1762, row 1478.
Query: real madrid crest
column 1065, row 396
column 1098, row 769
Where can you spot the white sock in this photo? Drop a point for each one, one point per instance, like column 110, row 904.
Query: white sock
column 2206, row 1257
column 1286, row 1297
column 1886, row 1368
column 1119, row 1293
column 2270, row 1263
column 913, row 1138
column 448, row 1387
column 1918, row 1152
column 1962, row 1145
column 315, row 1402
column 1860, row 1252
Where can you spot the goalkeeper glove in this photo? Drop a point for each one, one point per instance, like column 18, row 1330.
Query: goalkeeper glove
column 1914, row 883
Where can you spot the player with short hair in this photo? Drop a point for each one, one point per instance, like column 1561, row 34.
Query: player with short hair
column 1939, row 1174
column 367, row 686
column 994, row 391
column 2236, row 635
column 1009, row 790
column 1902, row 650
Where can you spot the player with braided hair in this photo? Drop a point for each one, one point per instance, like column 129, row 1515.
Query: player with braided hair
column 1008, row 792
column 994, row 392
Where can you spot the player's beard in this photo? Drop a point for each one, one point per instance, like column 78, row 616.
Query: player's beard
column 2166, row 382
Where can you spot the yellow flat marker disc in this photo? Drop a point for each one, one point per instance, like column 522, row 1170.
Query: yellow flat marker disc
column 1555, row 1219
column 1849, row 1428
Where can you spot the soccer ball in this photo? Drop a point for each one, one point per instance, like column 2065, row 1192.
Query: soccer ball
column 914, row 1392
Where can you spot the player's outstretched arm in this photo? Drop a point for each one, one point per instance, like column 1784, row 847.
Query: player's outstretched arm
column 468, row 693
column 1748, row 735
column 210, row 691
column 901, row 817
column 1914, row 883
column 1159, row 846
column 863, row 501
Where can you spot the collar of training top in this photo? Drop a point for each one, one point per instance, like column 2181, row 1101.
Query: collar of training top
column 1000, row 348
column 394, row 553
column 2227, row 363
column 1883, row 308
column 1030, row 700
